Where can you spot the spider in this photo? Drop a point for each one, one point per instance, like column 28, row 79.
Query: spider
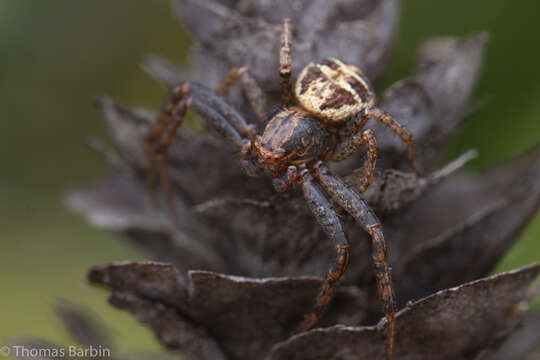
column 333, row 103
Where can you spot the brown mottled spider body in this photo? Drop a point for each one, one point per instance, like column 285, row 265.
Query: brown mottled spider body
column 333, row 91
column 334, row 101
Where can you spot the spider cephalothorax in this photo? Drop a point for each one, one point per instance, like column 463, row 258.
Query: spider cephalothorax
column 291, row 137
column 334, row 102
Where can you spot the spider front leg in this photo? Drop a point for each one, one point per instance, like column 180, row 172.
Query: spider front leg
column 350, row 146
column 253, row 91
column 223, row 118
column 397, row 128
column 329, row 221
column 352, row 203
column 354, row 125
column 285, row 63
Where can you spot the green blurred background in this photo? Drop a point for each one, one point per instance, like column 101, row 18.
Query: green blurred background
column 57, row 56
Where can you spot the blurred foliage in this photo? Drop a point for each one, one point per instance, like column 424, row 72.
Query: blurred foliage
column 508, row 121
column 57, row 56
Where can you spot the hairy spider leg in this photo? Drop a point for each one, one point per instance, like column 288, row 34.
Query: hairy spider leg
column 213, row 110
column 330, row 223
column 351, row 202
column 177, row 118
column 175, row 95
column 358, row 122
column 397, row 128
column 352, row 144
column 255, row 95
column 285, row 68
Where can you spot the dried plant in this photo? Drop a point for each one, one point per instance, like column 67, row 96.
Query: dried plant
column 444, row 230
column 87, row 331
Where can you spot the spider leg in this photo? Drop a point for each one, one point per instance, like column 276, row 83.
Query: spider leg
column 352, row 203
column 175, row 96
column 285, row 70
column 224, row 119
column 221, row 106
column 157, row 130
column 234, row 118
column 397, row 128
column 329, row 221
column 351, row 145
column 253, row 91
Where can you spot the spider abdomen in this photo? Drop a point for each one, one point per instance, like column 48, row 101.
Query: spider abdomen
column 333, row 91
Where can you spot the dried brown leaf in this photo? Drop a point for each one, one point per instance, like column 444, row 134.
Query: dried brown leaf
column 433, row 101
column 244, row 33
column 452, row 324
column 121, row 203
column 246, row 316
column 481, row 218
column 175, row 331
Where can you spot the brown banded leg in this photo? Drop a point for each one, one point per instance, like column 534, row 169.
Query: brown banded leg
column 350, row 146
column 329, row 221
column 285, row 68
column 230, row 79
column 157, row 130
column 177, row 118
column 155, row 133
column 213, row 118
column 399, row 129
column 253, row 91
column 384, row 282
column 352, row 203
